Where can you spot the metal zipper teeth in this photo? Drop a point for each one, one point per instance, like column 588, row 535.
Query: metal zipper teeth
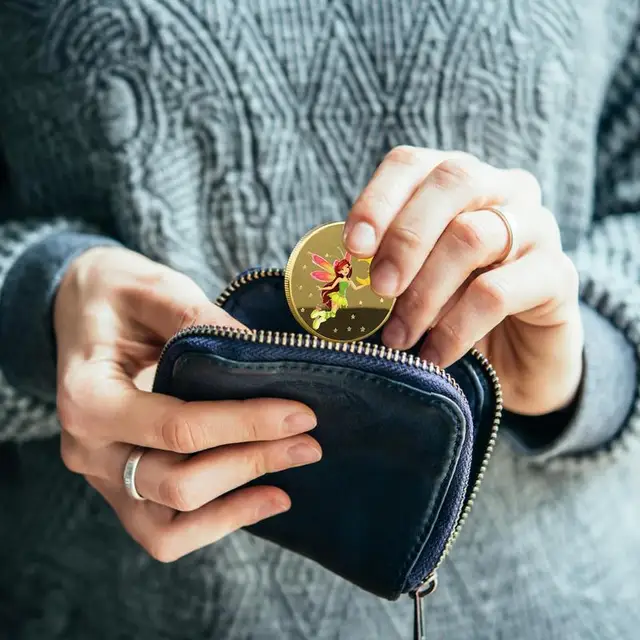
column 468, row 504
column 308, row 341
column 234, row 285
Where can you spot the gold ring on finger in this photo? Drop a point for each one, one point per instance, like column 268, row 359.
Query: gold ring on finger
column 510, row 225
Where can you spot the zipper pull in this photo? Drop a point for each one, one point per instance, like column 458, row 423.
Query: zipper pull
column 425, row 589
column 418, row 619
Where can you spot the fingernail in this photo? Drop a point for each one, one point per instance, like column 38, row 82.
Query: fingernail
column 362, row 239
column 272, row 508
column 299, row 422
column 395, row 334
column 385, row 278
column 303, row 453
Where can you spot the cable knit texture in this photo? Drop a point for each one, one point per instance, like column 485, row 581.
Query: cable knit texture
column 210, row 135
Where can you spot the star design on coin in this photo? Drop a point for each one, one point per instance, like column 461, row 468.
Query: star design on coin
column 335, row 331
column 311, row 295
column 362, row 329
column 302, row 310
column 300, row 288
column 360, row 302
column 348, row 328
column 381, row 299
column 353, row 316
column 304, row 268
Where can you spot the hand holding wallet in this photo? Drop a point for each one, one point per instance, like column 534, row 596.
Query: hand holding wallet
column 405, row 443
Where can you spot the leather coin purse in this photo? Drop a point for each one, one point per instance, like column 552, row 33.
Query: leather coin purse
column 405, row 443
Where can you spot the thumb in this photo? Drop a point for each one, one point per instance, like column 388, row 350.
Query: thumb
column 180, row 303
column 177, row 306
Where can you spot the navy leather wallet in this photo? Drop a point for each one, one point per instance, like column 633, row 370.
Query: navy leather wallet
column 405, row 444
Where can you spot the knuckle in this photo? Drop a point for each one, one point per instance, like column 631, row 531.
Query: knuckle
column 452, row 334
column 406, row 155
column 453, row 173
column 491, row 294
column 467, row 232
column 372, row 204
column 406, row 238
column 528, row 183
column 251, row 423
column 413, row 304
column 174, row 492
column 162, row 546
column 181, row 435
column 256, row 461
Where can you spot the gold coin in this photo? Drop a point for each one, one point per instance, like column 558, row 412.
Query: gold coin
column 329, row 290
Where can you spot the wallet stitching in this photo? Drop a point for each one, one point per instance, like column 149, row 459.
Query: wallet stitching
column 463, row 371
column 475, row 410
column 428, row 523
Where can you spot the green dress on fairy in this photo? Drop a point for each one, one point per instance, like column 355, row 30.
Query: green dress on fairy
column 338, row 301
column 339, row 297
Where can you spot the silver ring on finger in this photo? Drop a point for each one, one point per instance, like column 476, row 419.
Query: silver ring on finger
column 510, row 225
column 129, row 474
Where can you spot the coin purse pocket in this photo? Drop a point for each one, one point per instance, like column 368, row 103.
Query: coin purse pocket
column 404, row 443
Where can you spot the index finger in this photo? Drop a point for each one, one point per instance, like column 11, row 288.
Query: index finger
column 390, row 189
column 111, row 408
column 451, row 187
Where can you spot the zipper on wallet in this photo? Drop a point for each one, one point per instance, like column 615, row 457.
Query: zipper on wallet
column 307, row 341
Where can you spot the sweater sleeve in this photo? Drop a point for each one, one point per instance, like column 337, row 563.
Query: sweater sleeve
column 34, row 256
column 45, row 221
column 605, row 418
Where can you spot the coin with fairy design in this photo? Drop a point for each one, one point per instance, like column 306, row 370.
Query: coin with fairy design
column 329, row 290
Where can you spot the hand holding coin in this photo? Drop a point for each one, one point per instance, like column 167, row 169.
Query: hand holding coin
column 474, row 259
column 329, row 290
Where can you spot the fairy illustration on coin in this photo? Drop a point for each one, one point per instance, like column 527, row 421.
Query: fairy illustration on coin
column 337, row 279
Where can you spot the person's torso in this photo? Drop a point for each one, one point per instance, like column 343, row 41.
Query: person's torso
column 211, row 136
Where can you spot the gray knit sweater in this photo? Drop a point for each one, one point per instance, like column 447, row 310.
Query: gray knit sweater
column 210, row 135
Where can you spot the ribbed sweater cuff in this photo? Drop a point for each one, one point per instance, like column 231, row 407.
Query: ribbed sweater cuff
column 27, row 342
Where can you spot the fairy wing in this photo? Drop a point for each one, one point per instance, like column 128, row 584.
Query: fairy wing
column 322, row 263
column 327, row 274
column 322, row 276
